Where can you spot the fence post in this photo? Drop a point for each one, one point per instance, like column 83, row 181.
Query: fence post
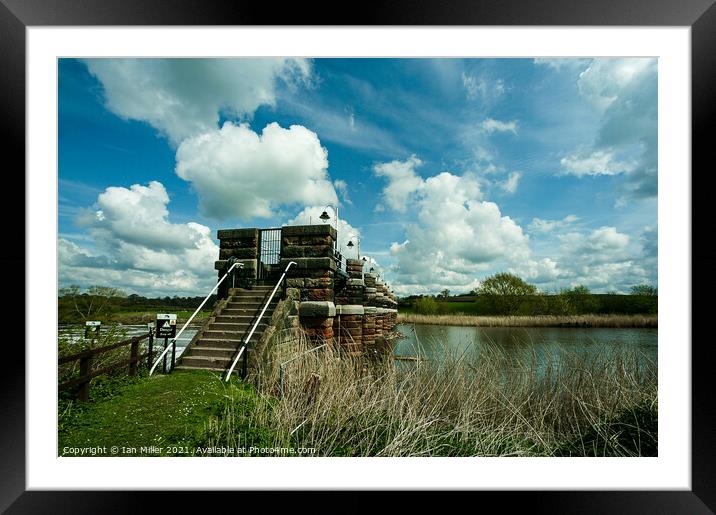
column 133, row 357
column 245, row 363
column 174, row 355
column 83, row 391
column 151, row 348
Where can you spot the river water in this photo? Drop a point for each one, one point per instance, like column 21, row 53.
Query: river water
column 433, row 341
column 76, row 332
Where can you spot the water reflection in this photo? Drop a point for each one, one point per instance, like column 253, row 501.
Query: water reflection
column 540, row 348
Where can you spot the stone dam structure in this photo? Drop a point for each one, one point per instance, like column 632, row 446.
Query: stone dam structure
column 333, row 301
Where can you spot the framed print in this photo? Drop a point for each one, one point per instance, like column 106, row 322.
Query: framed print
column 417, row 249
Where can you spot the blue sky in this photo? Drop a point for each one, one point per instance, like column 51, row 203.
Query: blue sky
column 448, row 170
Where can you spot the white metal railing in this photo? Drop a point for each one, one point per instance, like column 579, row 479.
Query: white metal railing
column 251, row 333
column 174, row 340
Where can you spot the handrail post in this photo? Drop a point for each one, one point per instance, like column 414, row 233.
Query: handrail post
column 151, row 348
column 174, row 354
column 83, row 391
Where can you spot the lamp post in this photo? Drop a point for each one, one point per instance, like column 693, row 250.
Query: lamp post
column 350, row 243
column 325, row 217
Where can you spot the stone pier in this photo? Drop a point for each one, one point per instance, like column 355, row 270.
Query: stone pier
column 352, row 310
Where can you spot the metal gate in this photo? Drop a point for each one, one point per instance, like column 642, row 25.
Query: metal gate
column 269, row 253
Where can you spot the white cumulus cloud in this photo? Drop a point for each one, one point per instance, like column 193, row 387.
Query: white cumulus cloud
column 134, row 246
column 402, row 181
column 237, row 172
column 184, row 97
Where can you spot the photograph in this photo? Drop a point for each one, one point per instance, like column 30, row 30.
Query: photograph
column 358, row 257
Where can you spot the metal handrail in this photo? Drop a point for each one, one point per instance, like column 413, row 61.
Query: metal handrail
column 251, row 333
column 240, row 265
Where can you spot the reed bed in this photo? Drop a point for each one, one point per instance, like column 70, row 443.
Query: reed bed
column 647, row 321
column 489, row 404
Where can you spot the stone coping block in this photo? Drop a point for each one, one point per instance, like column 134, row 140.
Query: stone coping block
column 381, row 311
column 354, row 262
column 390, row 310
column 317, row 308
column 355, row 282
column 308, row 230
column 370, row 290
column 370, row 310
column 350, row 309
column 309, row 263
column 231, row 234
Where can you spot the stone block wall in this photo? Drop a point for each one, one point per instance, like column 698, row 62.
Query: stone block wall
column 369, row 317
column 243, row 246
column 316, row 318
column 311, row 247
column 348, row 328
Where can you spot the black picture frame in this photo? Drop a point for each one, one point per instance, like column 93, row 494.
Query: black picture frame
column 700, row 15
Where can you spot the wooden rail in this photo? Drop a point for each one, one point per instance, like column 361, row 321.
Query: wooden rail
column 85, row 358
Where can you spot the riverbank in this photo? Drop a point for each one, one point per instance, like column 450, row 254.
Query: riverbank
column 141, row 317
column 622, row 321
column 599, row 405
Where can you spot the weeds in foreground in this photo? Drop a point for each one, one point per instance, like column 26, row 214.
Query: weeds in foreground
column 486, row 404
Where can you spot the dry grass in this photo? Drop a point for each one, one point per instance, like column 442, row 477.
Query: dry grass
column 564, row 404
column 532, row 321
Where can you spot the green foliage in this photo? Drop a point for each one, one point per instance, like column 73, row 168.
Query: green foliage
column 164, row 410
column 506, row 292
column 580, row 300
column 644, row 289
column 113, row 305
column 426, row 306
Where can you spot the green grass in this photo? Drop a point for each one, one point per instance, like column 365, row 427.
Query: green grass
column 171, row 412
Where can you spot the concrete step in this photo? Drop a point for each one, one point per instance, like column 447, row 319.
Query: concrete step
column 218, row 343
column 249, row 305
column 240, row 327
column 219, row 352
column 200, row 367
column 211, row 362
column 230, row 335
column 244, row 312
column 239, row 318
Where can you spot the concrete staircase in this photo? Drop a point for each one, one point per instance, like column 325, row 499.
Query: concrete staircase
column 222, row 339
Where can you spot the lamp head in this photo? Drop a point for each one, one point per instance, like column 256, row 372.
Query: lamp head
column 324, row 216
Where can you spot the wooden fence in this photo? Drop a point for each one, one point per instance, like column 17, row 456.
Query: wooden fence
column 82, row 382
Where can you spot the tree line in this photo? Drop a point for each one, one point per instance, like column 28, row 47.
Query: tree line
column 101, row 302
column 508, row 294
